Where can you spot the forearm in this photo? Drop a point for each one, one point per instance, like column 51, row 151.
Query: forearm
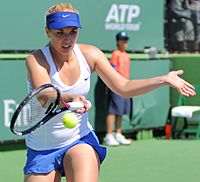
column 68, row 97
column 138, row 87
column 129, row 88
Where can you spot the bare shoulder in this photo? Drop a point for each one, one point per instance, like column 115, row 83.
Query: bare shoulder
column 36, row 58
column 85, row 47
column 92, row 54
column 91, row 51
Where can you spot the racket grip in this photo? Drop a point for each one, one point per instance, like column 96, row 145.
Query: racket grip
column 73, row 106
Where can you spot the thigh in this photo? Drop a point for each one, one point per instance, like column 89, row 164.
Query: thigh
column 53, row 176
column 81, row 164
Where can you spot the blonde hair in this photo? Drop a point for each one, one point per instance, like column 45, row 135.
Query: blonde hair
column 61, row 8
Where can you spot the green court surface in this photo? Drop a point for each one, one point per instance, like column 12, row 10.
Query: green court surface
column 142, row 161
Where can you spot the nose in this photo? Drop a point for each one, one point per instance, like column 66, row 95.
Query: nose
column 67, row 39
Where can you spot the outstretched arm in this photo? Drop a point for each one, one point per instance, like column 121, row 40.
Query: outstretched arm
column 129, row 88
column 172, row 79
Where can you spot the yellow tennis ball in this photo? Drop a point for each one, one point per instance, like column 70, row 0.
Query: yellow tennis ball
column 69, row 120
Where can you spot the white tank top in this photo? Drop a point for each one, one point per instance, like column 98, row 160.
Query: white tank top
column 53, row 134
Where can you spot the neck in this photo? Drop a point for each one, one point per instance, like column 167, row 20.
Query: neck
column 121, row 49
column 58, row 57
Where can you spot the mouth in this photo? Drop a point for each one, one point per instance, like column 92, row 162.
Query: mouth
column 66, row 46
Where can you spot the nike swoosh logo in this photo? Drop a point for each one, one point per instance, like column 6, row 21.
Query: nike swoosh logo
column 86, row 78
column 64, row 16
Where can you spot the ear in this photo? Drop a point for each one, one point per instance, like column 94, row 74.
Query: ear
column 47, row 31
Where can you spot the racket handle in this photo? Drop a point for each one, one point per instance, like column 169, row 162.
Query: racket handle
column 73, row 106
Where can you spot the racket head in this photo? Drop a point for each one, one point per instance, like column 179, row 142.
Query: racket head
column 34, row 109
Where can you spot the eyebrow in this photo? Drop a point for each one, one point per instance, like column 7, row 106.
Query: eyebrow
column 62, row 30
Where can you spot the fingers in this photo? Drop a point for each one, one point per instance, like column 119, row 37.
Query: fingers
column 82, row 99
column 88, row 105
column 184, row 87
column 189, row 85
column 187, row 90
column 179, row 72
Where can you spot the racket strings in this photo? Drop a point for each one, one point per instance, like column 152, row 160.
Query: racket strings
column 37, row 107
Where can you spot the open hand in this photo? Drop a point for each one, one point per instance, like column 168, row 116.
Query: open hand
column 181, row 85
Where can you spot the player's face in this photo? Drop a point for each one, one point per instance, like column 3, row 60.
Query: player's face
column 63, row 40
column 122, row 44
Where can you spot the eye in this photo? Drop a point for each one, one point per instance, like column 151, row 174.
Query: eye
column 73, row 32
column 59, row 33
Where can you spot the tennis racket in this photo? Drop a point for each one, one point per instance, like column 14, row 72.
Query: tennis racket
column 38, row 107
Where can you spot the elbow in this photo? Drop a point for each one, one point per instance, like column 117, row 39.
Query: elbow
column 123, row 90
column 127, row 95
column 124, row 93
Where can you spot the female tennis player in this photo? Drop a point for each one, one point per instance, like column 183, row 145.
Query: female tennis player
column 53, row 150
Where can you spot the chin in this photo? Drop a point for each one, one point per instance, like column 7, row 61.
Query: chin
column 66, row 51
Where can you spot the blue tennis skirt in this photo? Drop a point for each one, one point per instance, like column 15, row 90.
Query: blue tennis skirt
column 45, row 161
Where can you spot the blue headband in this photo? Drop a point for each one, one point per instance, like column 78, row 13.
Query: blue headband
column 61, row 20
